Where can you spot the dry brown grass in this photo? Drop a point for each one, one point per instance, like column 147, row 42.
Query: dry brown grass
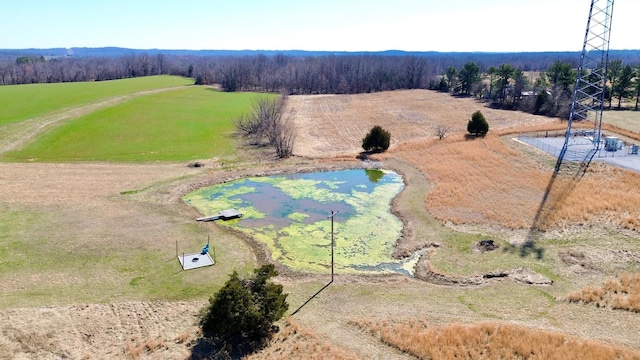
column 490, row 341
column 100, row 331
column 621, row 293
column 490, row 180
column 630, row 134
column 330, row 125
column 298, row 342
column 478, row 181
column 135, row 348
column 36, row 341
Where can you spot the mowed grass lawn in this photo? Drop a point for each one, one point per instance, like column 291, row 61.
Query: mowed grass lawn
column 183, row 124
column 627, row 119
column 21, row 102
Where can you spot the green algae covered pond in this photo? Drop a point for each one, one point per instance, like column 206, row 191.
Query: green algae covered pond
column 290, row 214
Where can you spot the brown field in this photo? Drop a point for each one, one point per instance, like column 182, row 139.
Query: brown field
column 457, row 190
column 491, row 341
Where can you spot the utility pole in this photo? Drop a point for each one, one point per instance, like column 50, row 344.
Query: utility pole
column 333, row 213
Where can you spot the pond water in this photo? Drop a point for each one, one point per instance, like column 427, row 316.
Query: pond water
column 290, row 214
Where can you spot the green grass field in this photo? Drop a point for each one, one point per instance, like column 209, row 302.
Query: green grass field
column 21, row 102
column 182, row 124
column 60, row 266
column 627, row 119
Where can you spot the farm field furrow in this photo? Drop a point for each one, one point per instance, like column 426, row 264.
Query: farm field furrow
column 406, row 114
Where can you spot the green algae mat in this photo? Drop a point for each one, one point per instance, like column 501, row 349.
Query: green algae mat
column 291, row 215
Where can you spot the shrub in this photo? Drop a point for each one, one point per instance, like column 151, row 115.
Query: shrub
column 244, row 310
column 478, row 125
column 377, row 140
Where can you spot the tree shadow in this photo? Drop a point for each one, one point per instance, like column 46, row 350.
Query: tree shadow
column 474, row 136
column 207, row 348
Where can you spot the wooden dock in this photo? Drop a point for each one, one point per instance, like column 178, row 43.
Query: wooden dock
column 222, row 215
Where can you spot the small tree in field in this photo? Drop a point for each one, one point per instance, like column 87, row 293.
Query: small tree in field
column 478, row 125
column 377, row 140
column 243, row 310
column 441, row 131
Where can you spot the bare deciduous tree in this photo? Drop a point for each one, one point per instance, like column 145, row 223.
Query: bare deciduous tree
column 441, row 131
column 266, row 121
column 282, row 137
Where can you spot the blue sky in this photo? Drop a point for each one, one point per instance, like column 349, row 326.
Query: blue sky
column 331, row 25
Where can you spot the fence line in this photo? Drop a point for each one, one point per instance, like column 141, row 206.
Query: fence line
column 574, row 154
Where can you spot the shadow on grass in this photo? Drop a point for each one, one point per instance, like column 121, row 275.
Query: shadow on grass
column 527, row 249
column 211, row 348
column 311, row 298
column 566, row 176
column 468, row 137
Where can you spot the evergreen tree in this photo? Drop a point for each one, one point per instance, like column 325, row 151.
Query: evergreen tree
column 377, row 140
column 244, row 310
column 636, row 84
column 504, row 73
column 468, row 75
column 623, row 86
column 478, row 125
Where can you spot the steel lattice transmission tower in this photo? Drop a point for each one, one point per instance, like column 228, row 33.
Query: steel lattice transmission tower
column 589, row 91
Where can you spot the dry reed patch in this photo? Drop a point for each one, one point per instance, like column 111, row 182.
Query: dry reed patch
column 475, row 181
column 490, row 341
column 490, row 181
column 605, row 194
column 621, row 293
column 297, row 342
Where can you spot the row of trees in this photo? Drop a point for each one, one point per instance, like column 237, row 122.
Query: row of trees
column 28, row 70
column 296, row 75
column 548, row 92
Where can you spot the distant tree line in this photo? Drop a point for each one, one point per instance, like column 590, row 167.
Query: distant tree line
column 29, row 70
column 505, row 85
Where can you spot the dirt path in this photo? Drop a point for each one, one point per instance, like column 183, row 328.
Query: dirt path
column 14, row 135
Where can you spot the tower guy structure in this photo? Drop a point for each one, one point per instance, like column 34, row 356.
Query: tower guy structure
column 590, row 86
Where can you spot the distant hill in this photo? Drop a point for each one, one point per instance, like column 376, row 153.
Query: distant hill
column 526, row 61
column 625, row 55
